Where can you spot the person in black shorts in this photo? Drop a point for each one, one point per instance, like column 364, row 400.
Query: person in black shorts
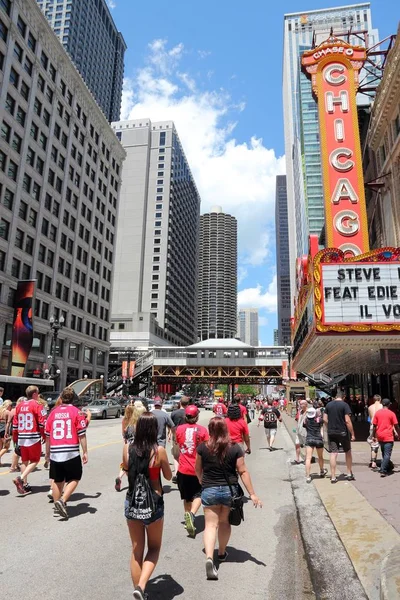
column 313, row 424
column 270, row 415
column 340, row 433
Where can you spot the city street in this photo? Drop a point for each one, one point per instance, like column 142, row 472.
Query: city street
column 88, row 556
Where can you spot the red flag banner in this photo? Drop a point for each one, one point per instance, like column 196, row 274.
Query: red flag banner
column 124, row 369
column 132, row 369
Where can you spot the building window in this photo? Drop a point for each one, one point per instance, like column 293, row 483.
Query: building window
column 15, row 267
column 88, row 355
column 4, row 229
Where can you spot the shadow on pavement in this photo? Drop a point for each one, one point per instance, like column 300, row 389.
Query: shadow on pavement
column 200, row 524
column 4, row 492
column 79, row 496
column 80, row 509
column 167, row 489
column 241, row 556
column 164, row 587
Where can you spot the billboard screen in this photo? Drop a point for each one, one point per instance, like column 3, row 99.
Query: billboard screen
column 22, row 332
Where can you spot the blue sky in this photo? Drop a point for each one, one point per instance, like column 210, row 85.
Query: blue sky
column 215, row 68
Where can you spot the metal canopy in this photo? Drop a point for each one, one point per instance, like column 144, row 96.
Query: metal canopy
column 337, row 354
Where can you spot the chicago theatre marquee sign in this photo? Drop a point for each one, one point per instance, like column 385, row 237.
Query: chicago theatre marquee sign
column 348, row 297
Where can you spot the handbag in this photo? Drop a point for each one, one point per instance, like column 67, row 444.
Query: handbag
column 236, row 514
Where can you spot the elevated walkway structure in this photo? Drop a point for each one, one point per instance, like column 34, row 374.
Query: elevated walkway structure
column 220, row 361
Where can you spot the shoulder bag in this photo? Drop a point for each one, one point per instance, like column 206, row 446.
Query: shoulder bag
column 236, row 515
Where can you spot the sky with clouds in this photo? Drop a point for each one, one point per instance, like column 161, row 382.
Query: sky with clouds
column 216, row 70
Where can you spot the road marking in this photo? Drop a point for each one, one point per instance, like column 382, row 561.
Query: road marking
column 89, row 449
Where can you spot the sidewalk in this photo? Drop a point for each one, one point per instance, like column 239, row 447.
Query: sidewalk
column 365, row 512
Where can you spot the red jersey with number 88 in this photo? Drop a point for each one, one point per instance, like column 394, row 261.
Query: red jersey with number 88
column 28, row 422
column 64, row 426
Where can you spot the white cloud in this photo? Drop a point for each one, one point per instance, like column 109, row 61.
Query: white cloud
column 163, row 59
column 239, row 176
column 203, row 53
column 242, row 274
column 111, row 4
column 259, row 297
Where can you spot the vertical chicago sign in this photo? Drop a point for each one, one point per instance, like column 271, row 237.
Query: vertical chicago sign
column 334, row 70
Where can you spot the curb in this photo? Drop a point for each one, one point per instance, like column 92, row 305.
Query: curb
column 322, row 544
column 390, row 575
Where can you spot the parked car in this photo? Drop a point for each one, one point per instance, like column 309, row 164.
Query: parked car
column 51, row 398
column 103, row 409
column 169, row 405
column 209, row 404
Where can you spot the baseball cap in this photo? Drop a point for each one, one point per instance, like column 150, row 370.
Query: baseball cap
column 157, row 401
column 191, row 411
column 311, row 412
column 386, row 402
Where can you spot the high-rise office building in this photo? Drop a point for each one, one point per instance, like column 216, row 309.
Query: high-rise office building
column 60, row 174
column 96, row 47
column 282, row 261
column 217, row 295
column 302, row 144
column 155, row 276
column 248, row 326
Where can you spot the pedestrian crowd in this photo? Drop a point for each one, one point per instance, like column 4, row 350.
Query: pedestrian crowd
column 208, row 462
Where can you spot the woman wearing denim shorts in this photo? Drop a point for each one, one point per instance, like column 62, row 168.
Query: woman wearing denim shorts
column 218, row 460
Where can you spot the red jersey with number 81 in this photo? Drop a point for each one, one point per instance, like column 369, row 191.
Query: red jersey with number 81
column 64, row 427
column 28, row 422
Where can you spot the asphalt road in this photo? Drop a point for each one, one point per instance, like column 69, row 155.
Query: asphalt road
column 87, row 557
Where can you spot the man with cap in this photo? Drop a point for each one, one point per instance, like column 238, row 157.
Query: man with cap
column 238, row 428
column 164, row 421
column 188, row 437
column 385, row 429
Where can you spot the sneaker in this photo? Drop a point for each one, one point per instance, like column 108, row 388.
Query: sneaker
column 50, row 495
column 323, row 473
column 222, row 557
column 383, row 474
column 174, row 479
column 211, row 571
column 19, row 484
column 61, row 507
column 333, row 480
column 138, row 594
column 190, row 526
column 118, row 484
column 350, row 477
column 27, row 488
column 308, row 479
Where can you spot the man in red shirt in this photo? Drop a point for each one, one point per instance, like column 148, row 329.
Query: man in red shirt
column 188, row 437
column 385, row 429
column 220, row 409
column 238, row 428
column 65, row 429
column 28, row 433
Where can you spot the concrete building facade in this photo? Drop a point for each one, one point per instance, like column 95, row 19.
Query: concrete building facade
column 217, row 294
column 96, row 47
column 302, row 143
column 155, row 278
column 60, row 176
column 382, row 157
column 285, row 293
column 248, row 326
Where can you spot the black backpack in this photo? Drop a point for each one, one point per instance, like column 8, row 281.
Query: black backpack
column 141, row 495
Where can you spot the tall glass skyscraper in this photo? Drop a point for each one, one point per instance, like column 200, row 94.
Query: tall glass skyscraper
column 302, row 144
column 96, row 47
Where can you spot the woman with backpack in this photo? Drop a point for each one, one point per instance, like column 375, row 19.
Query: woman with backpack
column 218, row 463
column 144, row 505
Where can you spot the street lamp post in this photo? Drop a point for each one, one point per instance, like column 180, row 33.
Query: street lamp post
column 55, row 326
